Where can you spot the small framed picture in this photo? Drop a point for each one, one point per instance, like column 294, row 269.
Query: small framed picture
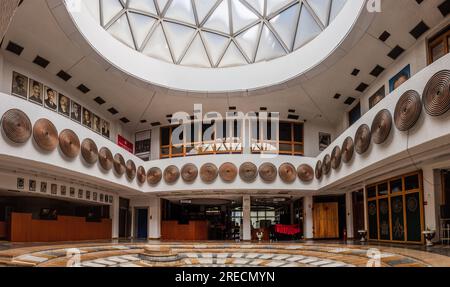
column 400, row 78
column 50, row 96
column 88, row 194
column 87, row 118
column 32, row 185
column 63, row 190
column 36, row 92
column 96, row 123
column 43, row 187
column 72, row 192
column 19, row 86
column 102, row 196
column 377, row 97
column 324, row 141
column 20, row 183
column 54, row 189
column 94, row 196
column 80, row 193
column 105, row 128
column 75, row 112
column 110, row 199
column 63, row 105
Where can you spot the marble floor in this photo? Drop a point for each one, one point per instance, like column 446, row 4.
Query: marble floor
column 220, row 254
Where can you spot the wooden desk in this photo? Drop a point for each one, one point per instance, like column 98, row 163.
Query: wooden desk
column 195, row 230
column 65, row 228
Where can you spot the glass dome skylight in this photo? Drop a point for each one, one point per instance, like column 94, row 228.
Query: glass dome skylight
column 214, row 33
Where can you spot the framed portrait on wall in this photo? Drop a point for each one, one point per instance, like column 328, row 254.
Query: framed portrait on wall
column 75, row 112
column 50, row 98
column 94, row 196
column 96, row 123
column 87, row 118
column 105, row 128
column 72, row 192
column 377, row 97
column 20, row 183
column 400, row 78
column 43, row 187
column 102, row 196
column 80, row 193
column 63, row 105
column 32, row 185
column 110, row 199
column 54, row 189
column 63, row 190
column 19, row 85
column 88, row 194
column 324, row 141
column 36, row 92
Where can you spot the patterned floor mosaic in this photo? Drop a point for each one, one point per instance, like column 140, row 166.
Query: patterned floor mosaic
column 218, row 255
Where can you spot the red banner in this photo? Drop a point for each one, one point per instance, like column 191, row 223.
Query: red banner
column 124, row 143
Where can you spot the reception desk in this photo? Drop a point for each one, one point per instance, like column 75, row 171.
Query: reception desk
column 194, row 230
column 66, row 228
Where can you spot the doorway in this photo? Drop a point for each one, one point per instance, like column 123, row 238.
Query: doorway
column 124, row 218
column 358, row 211
column 329, row 217
column 141, row 216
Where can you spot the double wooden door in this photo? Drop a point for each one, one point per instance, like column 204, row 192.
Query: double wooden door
column 326, row 220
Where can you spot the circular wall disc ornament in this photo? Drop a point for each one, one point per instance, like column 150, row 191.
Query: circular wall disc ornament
column 362, row 139
column 208, row 172
column 336, row 157
column 326, row 164
column 287, row 172
column 248, row 172
column 141, row 174
column 106, row 158
column 228, row 172
column 89, row 151
column 171, row 174
column 131, row 169
column 318, row 170
column 305, row 173
column 189, row 172
column 119, row 164
column 436, row 95
column 45, row 134
column 154, row 175
column 268, row 172
column 381, row 126
column 407, row 110
column 348, row 149
column 16, row 125
column 69, row 143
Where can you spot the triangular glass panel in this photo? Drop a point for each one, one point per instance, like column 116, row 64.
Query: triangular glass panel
column 336, row 7
column 147, row 6
column 275, row 5
column 307, row 28
column 248, row 40
column 161, row 5
column 110, row 9
column 232, row 57
column 181, row 10
column 94, row 9
column 203, row 7
column 179, row 38
column 241, row 15
column 321, row 9
column 269, row 47
column 219, row 19
column 284, row 22
column 196, row 54
column 157, row 46
column 216, row 45
column 258, row 5
column 121, row 31
column 140, row 26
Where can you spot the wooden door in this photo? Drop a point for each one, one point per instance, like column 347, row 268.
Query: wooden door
column 326, row 220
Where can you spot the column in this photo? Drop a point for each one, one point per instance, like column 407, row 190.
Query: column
column 154, row 222
column 366, row 218
column 349, row 212
column 432, row 199
column 114, row 210
column 133, row 221
column 246, row 212
column 308, row 209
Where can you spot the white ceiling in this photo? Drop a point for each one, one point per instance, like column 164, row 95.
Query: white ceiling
column 35, row 28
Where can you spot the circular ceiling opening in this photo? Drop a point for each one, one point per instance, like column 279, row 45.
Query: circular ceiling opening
column 214, row 33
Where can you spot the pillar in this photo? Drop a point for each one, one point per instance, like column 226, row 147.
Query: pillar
column 308, row 209
column 114, row 210
column 133, row 221
column 349, row 212
column 366, row 216
column 154, row 222
column 246, row 223
column 432, row 199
